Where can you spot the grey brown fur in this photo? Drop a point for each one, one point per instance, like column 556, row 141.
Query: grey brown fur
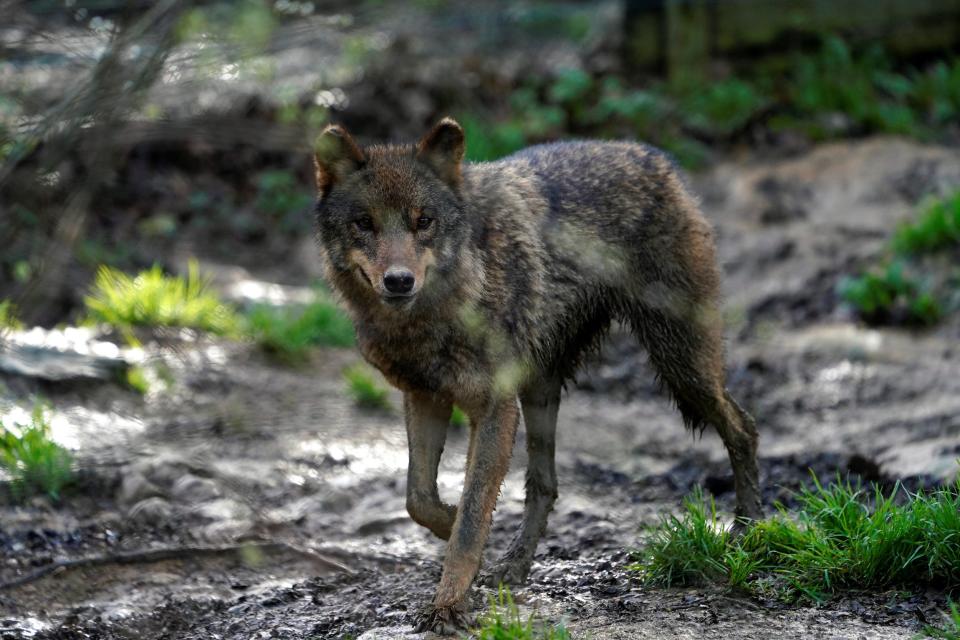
column 511, row 272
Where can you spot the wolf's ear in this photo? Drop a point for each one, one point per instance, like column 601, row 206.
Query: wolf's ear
column 336, row 156
column 442, row 149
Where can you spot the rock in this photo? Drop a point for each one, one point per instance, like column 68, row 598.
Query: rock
column 223, row 509
column 391, row 633
column 191, row 488
column 54, row 365
column 135, row 487
column 163, row 469
column 152, row 511
column 380, row 524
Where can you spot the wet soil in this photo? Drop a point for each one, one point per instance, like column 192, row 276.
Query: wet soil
column 285, row 504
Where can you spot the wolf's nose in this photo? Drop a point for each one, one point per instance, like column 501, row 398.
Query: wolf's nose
column 398, row 280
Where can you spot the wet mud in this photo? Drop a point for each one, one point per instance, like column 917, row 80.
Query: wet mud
column 251, row 500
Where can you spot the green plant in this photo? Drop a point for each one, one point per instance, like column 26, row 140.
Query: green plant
column 288, row 333
column 458, row 418
column 951, row 628
column 724, row 107
column 282, row 198
column 938, row 227
column 936, row 92
column 36, row 464
column 503, row 622
column 487, row 140
column 8, row 316
column 643, row 110
column 552, row 19
column 569, row 86
column 893, row 292
column 152, row 298
column 688, row 549
column 841, row 537
column 137, row 380
column 889, row 293
column 363, row 387
column 860, row 85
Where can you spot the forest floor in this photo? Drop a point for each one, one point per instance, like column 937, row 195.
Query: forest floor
column 285, row 504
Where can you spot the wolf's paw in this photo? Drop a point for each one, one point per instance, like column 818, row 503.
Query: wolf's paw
column 512, row 572
column 444, row 621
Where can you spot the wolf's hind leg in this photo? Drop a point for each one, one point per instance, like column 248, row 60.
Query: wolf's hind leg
column 540, row 403
column 686, row 350
column 427, row 422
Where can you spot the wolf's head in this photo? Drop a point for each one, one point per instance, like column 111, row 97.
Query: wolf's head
column 391, row 217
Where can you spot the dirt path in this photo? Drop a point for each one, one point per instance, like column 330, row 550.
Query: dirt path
column 240, row 451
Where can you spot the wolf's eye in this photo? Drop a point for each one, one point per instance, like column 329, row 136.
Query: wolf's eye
column 364, row 224
column 423, row 223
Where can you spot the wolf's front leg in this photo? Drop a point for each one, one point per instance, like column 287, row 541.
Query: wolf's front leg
column 540, row 402
column 427, row 421
column 486, row 468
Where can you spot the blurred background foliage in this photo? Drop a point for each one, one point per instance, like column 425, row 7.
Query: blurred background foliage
column 135, row 134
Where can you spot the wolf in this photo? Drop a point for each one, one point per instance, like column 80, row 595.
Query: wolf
column 484, row 285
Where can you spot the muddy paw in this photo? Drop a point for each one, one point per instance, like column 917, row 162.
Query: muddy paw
column 444, row 621
column 513, row 572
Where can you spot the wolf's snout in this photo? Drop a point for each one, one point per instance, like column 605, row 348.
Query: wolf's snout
column 398, row 280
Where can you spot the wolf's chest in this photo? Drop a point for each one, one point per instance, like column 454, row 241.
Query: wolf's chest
column 444, row 361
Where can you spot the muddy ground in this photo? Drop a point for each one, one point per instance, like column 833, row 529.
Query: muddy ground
column 282, row 505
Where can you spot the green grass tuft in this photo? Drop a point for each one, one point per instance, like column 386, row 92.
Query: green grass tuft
column 363, row 387
column 689, row 549
column 36, row 464
column 889, row 294
column 951, row 628
column 137, row 380
column 289, row 333
column 458, row 418
column 8, row 316
column 893, row 293
column 842, row 537
column 154, row 299
column 503, row 622
column 938, row 227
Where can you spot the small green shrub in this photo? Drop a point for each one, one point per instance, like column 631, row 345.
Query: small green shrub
column 503, row 622
column 722, row 108
column 643, row 110
column 842, row 537
column 860, row 85
column 36, row 464
column 888, row 294
column 938, row 227
column 363, row 387
column 836, row 91
column 936, row 92
column 153, row 299
column 289, row 333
